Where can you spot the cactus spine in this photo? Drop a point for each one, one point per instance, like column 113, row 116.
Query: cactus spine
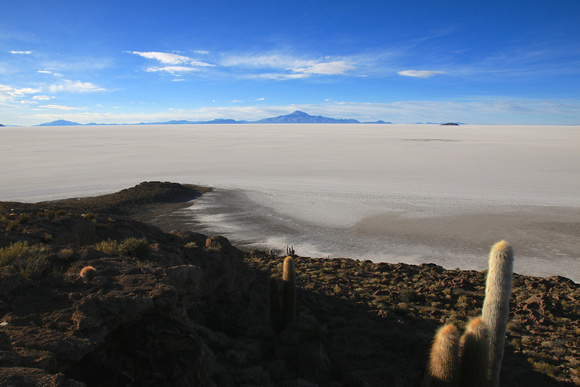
column 474, row 354
column 283, row 307
column 444, row 360
column 495, row 310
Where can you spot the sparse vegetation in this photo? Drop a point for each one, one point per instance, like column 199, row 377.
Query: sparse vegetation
column 30, row 261
column 108, row 247
column 134, row 247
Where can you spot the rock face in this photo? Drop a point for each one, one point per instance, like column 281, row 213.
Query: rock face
column 132, row 321
column 128, row 325
column 191, row 310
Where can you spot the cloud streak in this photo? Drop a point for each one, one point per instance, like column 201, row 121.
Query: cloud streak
column 75, row 87
column 176, row 64
column 172, row 69
column 280, row 66
column 58, row 107
column 420, row 73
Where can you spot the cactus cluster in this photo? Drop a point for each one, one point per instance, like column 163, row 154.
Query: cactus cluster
column 282, row 297
column 474, row 359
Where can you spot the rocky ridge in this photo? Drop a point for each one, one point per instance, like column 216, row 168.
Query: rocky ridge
column 179, row 308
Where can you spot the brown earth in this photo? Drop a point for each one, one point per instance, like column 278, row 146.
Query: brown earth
column 183, row 309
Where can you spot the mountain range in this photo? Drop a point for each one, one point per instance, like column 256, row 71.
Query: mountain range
column 296, row 117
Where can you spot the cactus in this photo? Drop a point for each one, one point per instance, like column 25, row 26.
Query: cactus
column 275, row 304
column 283, row 307
column 496, row 304
column 88, row 273
column 474, row 354
column 476, row 361
column 288, row 291
column 443, row 369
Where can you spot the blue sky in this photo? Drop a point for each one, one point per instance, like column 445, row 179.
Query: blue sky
column 480, row 62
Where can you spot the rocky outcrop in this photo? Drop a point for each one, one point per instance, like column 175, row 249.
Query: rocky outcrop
column 181, row 308
column 132, row 319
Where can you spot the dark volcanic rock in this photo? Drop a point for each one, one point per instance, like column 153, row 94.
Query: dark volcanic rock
column 192, row 310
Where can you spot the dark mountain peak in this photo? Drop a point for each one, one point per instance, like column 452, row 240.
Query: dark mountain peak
column 298, row 113
column 298, row 117
column 60, row 123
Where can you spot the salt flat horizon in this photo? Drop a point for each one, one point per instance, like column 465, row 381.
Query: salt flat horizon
column 411, row 193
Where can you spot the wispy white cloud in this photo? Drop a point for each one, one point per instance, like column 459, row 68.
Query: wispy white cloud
column 278, row 76
column 177, row 63
column 49, row 72
column 172, row 59
column 163, row 57
column 286, row 66
column 329, row 68
column 21, row 52
column 172, row 69
column 58, row 107
column 420, row 73
column 261, row 61
column 8, row 93
column 42, row 97
column 75, row 87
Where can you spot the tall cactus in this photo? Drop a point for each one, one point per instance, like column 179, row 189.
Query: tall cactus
column 478, row 356
column 288, row 291
column 444, row 362
column 495, row 310
column 474, row 354
column 283, row 309
column 275, row 304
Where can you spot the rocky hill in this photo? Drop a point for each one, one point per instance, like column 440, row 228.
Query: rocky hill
column 92, row 296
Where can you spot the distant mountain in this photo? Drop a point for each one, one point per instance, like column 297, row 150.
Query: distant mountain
column 184, row 122
column 296, row 117
column 299, row 117
column 377, row 122
column 60, row 123
column 1, row 126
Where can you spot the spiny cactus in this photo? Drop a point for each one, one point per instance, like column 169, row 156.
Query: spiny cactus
column 444, row 362
column 289, row 290
column 474, row 354
column 275, row 304
column 88, row 272
column 282, row 310
column 480, row 352
column 495, row 310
